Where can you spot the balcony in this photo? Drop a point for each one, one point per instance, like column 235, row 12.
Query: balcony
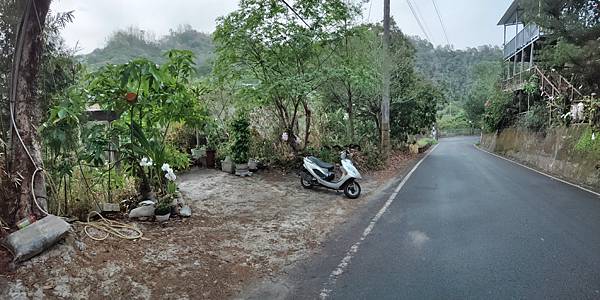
column 524, row 38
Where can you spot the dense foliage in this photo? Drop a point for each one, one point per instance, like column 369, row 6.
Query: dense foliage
column 462, row 76
column 572, row 37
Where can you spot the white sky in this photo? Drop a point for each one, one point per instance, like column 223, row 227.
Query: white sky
column 469, row 23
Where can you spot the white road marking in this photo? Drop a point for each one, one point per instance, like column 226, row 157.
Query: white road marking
column 538, row 171
column 341, row 267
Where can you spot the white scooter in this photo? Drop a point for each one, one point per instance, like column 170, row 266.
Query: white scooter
column 319, row 173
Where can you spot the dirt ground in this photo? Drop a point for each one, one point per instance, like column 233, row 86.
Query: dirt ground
column 241, row 230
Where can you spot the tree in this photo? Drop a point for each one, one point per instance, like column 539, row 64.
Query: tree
column 354, row 72
column 27, row 186
column 280, row 55
column 486, row 77
column 572, row 41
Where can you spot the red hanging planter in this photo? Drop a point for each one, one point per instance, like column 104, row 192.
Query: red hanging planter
column 131, row 97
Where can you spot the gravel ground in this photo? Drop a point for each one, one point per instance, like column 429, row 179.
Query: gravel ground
column 242, row 230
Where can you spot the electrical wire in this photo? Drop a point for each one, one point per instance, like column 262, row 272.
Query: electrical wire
column 15, row 74
column 295, row 12
column 370, row 7
column 414, row 13
column 437, row 11
column 423, row 21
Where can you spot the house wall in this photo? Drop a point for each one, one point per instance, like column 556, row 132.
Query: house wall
column 552, row 152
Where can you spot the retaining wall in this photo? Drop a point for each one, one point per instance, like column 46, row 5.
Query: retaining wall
column 553, row 152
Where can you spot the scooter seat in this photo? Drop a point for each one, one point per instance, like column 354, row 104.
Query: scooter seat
column 321, row 163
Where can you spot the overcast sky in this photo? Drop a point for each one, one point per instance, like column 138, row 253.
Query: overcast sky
column 469, row 23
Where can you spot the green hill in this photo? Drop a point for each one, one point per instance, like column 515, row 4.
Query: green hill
column 124, row 45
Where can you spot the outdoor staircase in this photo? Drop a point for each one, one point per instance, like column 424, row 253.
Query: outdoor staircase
column 558, row 91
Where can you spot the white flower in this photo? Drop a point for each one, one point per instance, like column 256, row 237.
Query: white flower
column 165, row 167
column 170, row 176
column 593, row 136
column 146, row 162
column 284, row 137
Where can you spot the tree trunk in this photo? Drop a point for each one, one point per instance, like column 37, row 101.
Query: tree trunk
column 350, row 111
column 308, row 114
column 25, row 159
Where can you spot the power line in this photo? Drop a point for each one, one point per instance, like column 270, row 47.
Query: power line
column 437, row 11
column 370, row 7
column 423, row 21
column 295, row 12
column 414, row 13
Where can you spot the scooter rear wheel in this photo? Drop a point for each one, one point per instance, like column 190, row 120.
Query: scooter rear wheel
column 305, row 180
column 352, row 190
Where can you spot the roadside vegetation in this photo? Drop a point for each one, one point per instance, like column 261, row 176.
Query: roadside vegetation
column 121, row 122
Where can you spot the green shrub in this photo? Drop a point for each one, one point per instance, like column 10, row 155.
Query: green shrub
column 535, row 119
column 587, row 144
column 499, row 112
column 240, row 139
column 423, row 142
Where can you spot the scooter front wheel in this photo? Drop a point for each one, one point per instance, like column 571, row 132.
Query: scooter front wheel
column 352, row 190
column 305, row 180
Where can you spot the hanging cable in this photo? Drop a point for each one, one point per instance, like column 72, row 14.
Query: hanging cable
column 414, row 13
column 370, row 7
column 15, row 75
column 296, row 13
column 437, row 11
column 423, row 21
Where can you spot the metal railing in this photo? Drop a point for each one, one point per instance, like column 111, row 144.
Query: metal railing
column 525, row 37
column 551, row 85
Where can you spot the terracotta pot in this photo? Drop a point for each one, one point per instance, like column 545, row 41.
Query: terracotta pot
column 210, row 158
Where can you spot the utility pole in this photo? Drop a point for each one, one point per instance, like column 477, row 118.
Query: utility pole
column 385, row 101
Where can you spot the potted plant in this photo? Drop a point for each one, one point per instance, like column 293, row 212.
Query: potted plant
column 214, row 137
column 227, row 165
column 164, row 206
column 162, row 212
column 240, row 143
column 252, row 164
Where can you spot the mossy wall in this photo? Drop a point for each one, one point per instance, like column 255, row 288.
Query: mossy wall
column 569, row 153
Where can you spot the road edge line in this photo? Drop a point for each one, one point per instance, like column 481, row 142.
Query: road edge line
column 339, row 270
column 538, row 171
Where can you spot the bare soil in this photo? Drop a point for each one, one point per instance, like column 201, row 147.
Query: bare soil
column 241, row 230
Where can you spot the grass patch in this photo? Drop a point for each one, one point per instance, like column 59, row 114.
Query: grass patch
column 589, row 142
column 424, row 142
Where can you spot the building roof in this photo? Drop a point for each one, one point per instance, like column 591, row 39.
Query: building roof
column 511, row 16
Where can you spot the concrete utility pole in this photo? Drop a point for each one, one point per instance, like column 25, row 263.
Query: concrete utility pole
column 385, row 101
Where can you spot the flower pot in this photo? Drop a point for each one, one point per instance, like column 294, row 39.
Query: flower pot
column 241, row 167
column 227, row 166
column 163, row 218
column 242, row 170
column 252, row 165
column 210, row 158
column 198, row 152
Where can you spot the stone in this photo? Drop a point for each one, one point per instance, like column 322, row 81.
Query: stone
column 185, row 211
column 143, row 211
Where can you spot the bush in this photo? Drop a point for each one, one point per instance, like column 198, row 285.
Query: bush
column 370, row 158
column 535, row 119
column 589, row 142
column 499, row 112
column 240, row 139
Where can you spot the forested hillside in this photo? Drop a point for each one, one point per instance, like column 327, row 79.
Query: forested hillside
column 124, row 45
column 450, row 68
column 459, row 74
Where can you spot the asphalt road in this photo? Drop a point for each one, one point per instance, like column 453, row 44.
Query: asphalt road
column 468, row 225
